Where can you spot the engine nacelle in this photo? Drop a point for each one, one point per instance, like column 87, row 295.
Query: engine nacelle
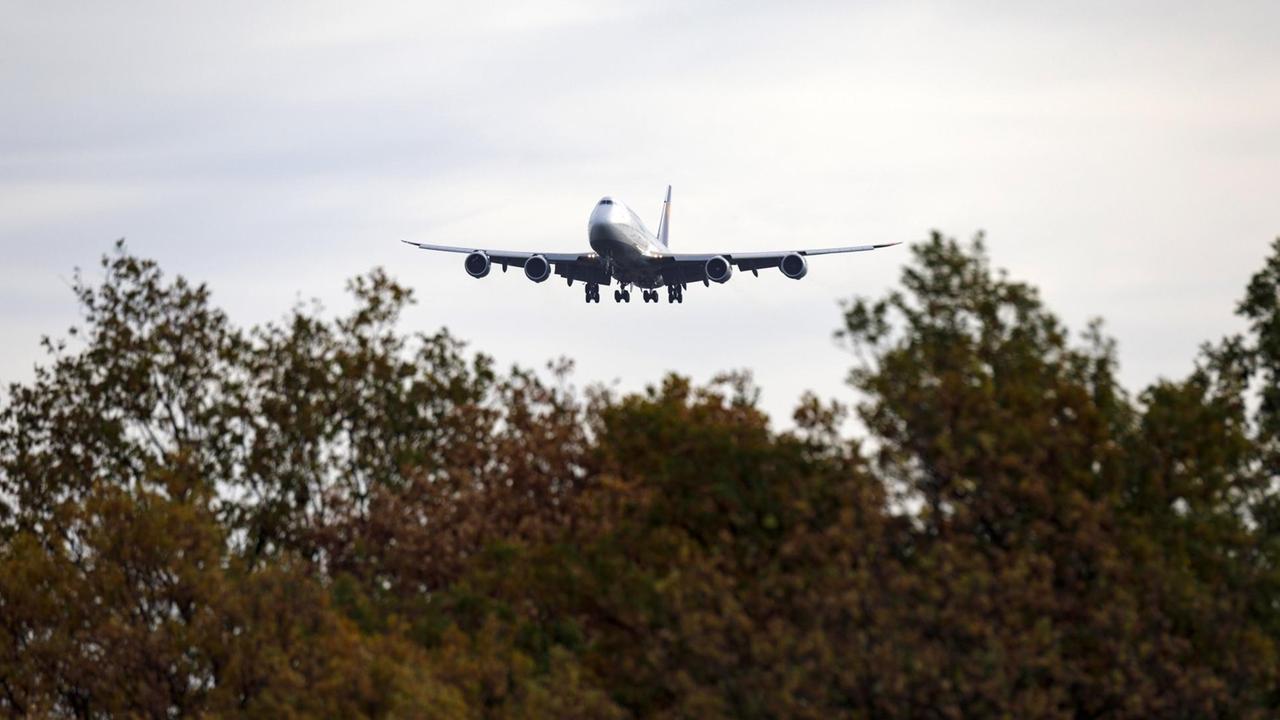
column 477, row 264
column 718, row 269
column 794, row 266
column 537, row 268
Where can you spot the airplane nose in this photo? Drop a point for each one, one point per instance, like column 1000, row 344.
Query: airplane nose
column 602, row 210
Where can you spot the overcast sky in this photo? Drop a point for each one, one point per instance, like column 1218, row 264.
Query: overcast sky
column 1124, row 157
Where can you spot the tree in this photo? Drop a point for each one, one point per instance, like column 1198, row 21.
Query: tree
column 1082, row 542
column 328, row 517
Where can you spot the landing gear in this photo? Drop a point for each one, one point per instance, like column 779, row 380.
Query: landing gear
column 675, row 294
column 593, row 292
column 651, row 296
column 621, row 296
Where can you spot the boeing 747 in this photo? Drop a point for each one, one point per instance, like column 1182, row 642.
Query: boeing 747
column 626, row 252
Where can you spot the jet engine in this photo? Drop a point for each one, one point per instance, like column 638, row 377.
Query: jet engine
column 477, row 264
column 718, row 269
column 794, row 266
column 537, row 268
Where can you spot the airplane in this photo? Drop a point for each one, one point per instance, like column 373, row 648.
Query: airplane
column 626, row 252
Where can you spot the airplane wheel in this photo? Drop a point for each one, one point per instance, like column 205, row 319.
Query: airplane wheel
column 626, row 296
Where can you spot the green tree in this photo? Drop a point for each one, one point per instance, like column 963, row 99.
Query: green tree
column 1091, row 555
column 325, row 517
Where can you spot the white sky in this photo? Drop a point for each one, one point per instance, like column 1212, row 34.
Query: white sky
column 1124, row 157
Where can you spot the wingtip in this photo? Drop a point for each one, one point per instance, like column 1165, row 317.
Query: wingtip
column 409, row 242
column 884, row 245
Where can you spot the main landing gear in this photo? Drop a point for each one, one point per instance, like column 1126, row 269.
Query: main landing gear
column 675, row 294
column 593, row 292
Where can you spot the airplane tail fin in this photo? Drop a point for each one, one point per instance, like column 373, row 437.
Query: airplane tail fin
column 664, row 225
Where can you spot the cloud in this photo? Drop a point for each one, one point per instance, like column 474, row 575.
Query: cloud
column 1124, row 161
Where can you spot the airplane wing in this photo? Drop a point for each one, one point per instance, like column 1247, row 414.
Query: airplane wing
column 689, row 267
column 758, row 260
column 586, row 267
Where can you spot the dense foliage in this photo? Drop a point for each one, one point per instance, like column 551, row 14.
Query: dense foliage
column 327, row 517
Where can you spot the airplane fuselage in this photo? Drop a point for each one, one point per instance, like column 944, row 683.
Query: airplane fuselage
column 620, row 238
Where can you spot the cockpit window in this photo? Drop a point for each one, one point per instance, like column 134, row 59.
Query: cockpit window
column 606, row 201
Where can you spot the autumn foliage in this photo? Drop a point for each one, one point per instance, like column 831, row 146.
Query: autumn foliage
column 328, row 517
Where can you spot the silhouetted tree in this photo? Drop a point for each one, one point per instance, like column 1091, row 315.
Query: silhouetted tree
column 329, row 517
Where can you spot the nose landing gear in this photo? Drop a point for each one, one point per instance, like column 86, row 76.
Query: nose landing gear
column 621, row 296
